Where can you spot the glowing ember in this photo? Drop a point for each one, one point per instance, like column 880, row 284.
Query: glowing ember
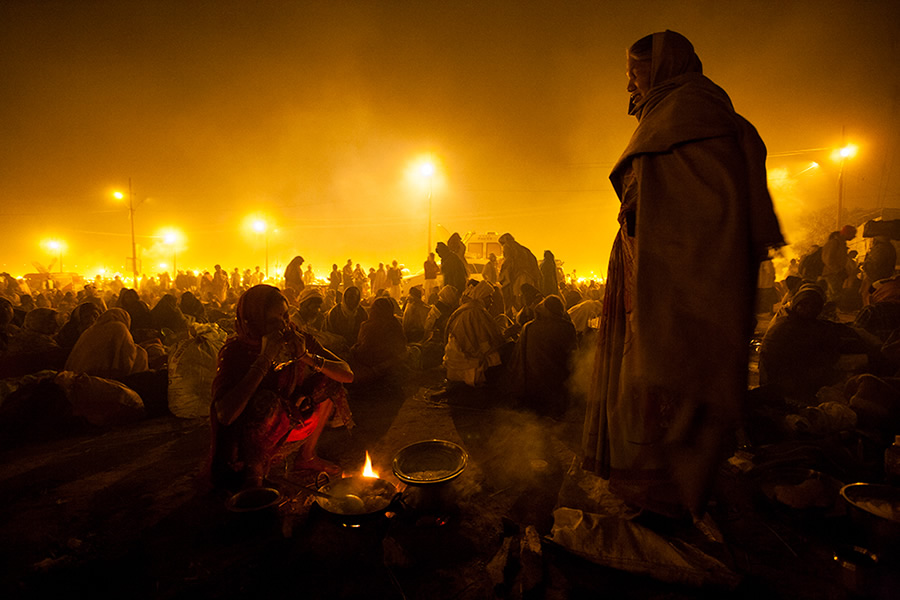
column 367, row 470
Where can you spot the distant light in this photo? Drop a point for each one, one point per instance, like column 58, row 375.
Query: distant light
column 259, row 226
column 848, row 151
column 426, row 169
column 813, row 165
column 118, row 195
column 840, row 154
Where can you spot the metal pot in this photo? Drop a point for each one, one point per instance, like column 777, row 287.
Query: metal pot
column 875, row 510
column 429, row 462
column 356, row 498
column 253, row 499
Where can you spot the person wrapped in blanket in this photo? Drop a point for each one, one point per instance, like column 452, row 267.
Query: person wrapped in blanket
column 274, row 385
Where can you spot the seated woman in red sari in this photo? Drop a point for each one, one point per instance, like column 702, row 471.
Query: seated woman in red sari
column 274, row 385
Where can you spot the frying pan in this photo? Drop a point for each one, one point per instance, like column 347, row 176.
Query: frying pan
column 352, row 498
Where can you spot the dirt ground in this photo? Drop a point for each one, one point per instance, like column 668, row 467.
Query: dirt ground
column 119, row 514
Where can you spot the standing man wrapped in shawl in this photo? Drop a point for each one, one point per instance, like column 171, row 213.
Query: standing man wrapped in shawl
column 274, row 384
column 696, row 219
column 519, row 266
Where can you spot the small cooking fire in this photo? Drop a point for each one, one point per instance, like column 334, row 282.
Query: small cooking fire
column 367, row 469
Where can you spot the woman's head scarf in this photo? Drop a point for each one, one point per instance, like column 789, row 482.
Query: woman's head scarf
column 252, row 306
column 670, row 55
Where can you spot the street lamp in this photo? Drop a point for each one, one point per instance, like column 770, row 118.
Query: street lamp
column 260, row 226
column 172, row 238
column 57, row 246
column 120, row 196
column 426, row 169
column 842, row 154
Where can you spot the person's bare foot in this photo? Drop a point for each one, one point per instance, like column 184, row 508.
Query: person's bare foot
column 318, row 465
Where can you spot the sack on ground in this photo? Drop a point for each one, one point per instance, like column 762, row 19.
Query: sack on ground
column 192, row 367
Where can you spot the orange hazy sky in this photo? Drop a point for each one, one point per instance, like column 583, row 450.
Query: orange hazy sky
column 310, row 114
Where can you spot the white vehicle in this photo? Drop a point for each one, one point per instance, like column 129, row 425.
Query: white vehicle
column 479, row 246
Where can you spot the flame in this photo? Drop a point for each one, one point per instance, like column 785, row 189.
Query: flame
column 367, row 470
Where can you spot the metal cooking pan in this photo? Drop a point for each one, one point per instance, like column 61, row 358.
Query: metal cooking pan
column 357, row 497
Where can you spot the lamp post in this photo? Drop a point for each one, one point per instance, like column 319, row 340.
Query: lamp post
column 55, row 245
column 427, row 171
column 262, row 227
column 171, row 238
column 846, row 151
column 120, row 196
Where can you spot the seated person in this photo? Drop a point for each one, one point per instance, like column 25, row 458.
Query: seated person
column 37, row 334
column 800, row 351
column 474, row 339
column 137, row 309
column 414, row 314
column 882, row 315
column 106, row 348
column 441, row 309
column 82, row 316
column 192, row 307
column 167, row 315
column 344, row 319
column 541, row 364
column 274, row 384
column 381, row 345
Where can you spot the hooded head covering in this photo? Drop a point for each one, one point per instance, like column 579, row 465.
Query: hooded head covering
column 670, row 55
column 381, row 310
column 481, row 291
column 551, row 307
column 41, row 320
column 809, row 292
column 114, row 315
column 351, row 298
column 449, row 295
column 106, row 348
column 252, row 306
column 309, row 294
column 529, row 293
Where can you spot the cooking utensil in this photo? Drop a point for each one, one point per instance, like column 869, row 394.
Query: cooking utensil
column 356, row 496
column 253, row 499
column 875, row 509
column 429, row 461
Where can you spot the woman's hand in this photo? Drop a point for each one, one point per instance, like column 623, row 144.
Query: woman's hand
column 297, row 343
column 272, row 343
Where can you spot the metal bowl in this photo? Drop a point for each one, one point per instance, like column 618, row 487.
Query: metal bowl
column 253, row 499
column 356, row 496
column 429, row 461
column 875, row 509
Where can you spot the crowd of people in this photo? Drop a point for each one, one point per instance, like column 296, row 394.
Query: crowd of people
column 672, row 347
column 294, row 348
